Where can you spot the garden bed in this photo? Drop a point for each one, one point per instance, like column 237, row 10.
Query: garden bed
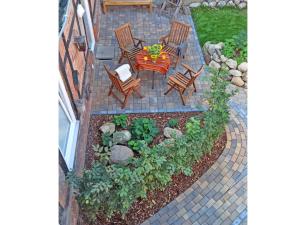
column 144, row 208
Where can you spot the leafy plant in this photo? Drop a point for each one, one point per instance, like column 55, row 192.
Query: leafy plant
column 144, row 129
column 173, row 123
column 137, row 145
column 102, row 152
column 114, row 188
column 154, row 49
column 106, row 139
column 236, row 47
column 120, row 120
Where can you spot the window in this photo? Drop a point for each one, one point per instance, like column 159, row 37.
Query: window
column 68, row 127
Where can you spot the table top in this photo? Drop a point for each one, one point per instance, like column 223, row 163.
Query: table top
column 160, row 65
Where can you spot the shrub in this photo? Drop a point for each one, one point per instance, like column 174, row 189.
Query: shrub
column 106, row 139
column 137, row 145
column 236, row 47
column 173, row 123
column 144, row 129
column 113, row 188
column 120, row 120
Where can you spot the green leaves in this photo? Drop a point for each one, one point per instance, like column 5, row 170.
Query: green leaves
column 120, row 120
column 236, row 47
column 144, row 129
column 173, row 123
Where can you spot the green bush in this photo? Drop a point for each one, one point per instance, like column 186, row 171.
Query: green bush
column 106, row 139
column 144, row 129
column 137, row 145
column 173, row 123
column 236, row 47
column 120, row 120
column 114, row 188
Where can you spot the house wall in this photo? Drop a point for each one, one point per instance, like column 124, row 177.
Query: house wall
column 83, row 62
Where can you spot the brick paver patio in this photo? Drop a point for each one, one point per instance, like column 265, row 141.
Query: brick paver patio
column 220, row 195
column 149, row 27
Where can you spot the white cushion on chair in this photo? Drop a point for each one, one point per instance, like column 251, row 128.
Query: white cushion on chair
column 124, row 72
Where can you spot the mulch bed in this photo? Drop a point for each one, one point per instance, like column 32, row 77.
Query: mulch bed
column 144, row 208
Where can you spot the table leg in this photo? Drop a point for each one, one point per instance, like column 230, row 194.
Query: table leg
column 153, row 80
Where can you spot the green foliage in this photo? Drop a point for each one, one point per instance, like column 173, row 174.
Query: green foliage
column 137, row 145
column 113, row 188
column 217, row 25
column 106, row 139
column 236, row 47
column 144, row 129
column 102, row 153
column 173, row 123
column 120, row 120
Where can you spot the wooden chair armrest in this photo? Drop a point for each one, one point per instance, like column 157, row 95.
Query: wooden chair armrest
column 177, row 82
column 124, row 49
column 138, row 39
column 188, row 67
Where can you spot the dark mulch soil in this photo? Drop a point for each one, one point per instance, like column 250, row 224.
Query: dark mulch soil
column 144, row 208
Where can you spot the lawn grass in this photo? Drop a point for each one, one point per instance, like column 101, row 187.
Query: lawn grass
column 217, row 25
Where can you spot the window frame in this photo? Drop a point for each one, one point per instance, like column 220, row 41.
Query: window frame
column 64, row 101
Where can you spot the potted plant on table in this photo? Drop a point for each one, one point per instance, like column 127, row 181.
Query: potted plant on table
column 154, row 51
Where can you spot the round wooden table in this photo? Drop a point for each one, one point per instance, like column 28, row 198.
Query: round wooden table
column 160, row 65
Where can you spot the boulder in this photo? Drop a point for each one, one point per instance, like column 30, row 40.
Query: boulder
column 236, row 2
column 211, row 48
column 170, row 132
column 235, row 73
column 246, row 86
column 120, row 154
column 245, row 76
column 223, row 58
column 212, row 4
column 195, row 4
column 230, row 3
column 205, row 4
column 242, row 5
column 237, row 81
column 121, row 137
column 221, row 4
column 232, row 64
column 214, row 64
column 243, row 67
column 216, row 58
column 108, row 127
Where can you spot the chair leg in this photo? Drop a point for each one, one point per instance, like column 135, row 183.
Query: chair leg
column 121, row 58
column 137, row 91
column 181, row 96
column 195, row 90
column 126, row 99
column 176, row 62
column 110, row 90
column 170, row 89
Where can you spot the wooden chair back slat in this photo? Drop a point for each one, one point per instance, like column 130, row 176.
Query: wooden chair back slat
column 178, row 33
column 124, row 35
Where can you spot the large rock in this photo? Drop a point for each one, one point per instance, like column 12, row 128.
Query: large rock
column 205, row 4
column 195, row 4
column 214, row 64
column 212, row 48
column 212, row 4
column 121, row 137
column 216, row 58
column 221, row 3
column 243, row 67
column 245, row 76
column 242, row 5
column 232, row 64
column 223, row 58
column 108, row 127
column 120, row 154
column 170, row 132
column 235, row 73
column 237, row 81
column 230, row 3
column 236, row 2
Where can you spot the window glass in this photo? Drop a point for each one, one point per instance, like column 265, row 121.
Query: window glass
column 64, row 129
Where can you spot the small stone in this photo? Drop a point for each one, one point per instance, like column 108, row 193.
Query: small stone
column 230, row 3
column 237, row 81
column 220, row 45
column 195, row 4
column 214, row 64
column 235, row 73
column 171, row 132
column 221, row 4
column 223, row 58
column 236, row 2
column 246, row 86
column 243, row 67
column 121, row 137
column 232, row 64
column 120, row 154
column 242, row 5
column 108, row 127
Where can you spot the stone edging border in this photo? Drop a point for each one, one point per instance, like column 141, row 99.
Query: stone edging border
column 241, row 4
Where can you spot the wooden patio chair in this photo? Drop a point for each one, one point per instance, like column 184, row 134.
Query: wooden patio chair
column 181, row 82
column 177, row 4
column 125, row 88
column 128, row 44
column 176, row 38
